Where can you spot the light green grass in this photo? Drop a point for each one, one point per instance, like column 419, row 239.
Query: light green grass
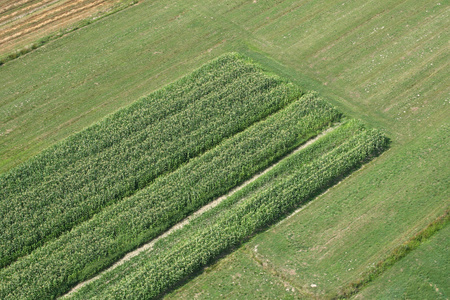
column 423, row 274
column 253, row 282
column 344, row 232
column 385, row 62
column 74, row 81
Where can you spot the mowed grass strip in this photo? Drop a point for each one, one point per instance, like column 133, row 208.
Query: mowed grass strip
column 394, row 257
column 296, row 180
column 120, row 228
column 422, row 274
column 75, row 179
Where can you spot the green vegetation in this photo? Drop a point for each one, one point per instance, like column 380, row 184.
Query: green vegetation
column 385, row 62
column 292, row 182
column 344, row 232
column 110, row 234
column 257, row 284
column 395, row 256
column 423, row 274
column 75, row 179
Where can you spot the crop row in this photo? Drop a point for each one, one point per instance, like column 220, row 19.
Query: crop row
column 95, row 244
column 75, row 179
column 290, row 184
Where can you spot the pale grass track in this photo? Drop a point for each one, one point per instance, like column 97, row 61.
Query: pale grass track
column 149, row 245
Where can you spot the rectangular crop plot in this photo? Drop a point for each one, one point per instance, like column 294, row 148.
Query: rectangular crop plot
column 119, row 228
column 83, row 204
column 75, row 179
column 294, row 181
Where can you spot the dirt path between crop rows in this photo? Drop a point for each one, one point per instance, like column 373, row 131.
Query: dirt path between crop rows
column 149, row 245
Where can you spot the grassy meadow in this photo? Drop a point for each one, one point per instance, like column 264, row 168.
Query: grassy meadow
column 344, row 232
column 384, row 62
column 421, row 275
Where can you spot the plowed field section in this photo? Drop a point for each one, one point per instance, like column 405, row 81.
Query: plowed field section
column 23, row 22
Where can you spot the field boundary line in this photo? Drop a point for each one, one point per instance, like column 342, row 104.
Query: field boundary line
column 397, row 254
column 149, row 246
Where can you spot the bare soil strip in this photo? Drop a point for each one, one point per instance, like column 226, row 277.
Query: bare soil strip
column 13, row 5
column 48, row 21
column 149, row 245
column 35, row 20
column 28, row 10
column 46, row 17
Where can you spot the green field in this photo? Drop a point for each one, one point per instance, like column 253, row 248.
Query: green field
column 122, row 154
column 344, row 232
column 96, row 243
column 384, row 62
column 294, row 181
column 421, row 275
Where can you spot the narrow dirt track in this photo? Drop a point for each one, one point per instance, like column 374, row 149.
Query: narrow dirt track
column 149, row 245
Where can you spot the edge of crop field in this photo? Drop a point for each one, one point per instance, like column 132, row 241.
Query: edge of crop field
column 226, row 252
column 282, row 219
column 149, row 245
column 64, row 31
column 396, row 255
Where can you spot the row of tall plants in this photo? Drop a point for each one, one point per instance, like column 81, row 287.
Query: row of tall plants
column 293, row 182
column 120, row 228
column 101, row 165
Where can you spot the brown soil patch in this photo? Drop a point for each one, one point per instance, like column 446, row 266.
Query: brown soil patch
column 24, row 22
